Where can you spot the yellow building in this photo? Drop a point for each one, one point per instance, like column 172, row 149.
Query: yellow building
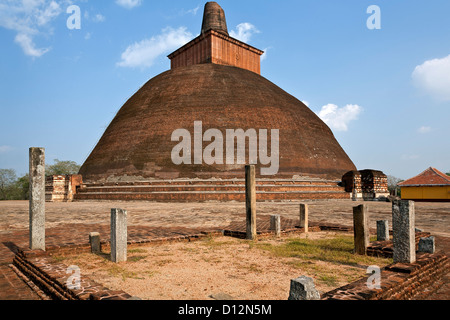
column 430, row 185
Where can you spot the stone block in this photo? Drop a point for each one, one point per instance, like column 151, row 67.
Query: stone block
column 303, row 288
column 427, row 245
column 94, row 240
column 383, row 230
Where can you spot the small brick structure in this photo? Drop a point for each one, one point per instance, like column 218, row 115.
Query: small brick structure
column 366, row 185
column 62, row 188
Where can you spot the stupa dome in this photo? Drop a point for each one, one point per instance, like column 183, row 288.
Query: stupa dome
column 211, row 83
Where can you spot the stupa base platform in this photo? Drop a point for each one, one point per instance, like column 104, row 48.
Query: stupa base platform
column 211, row 190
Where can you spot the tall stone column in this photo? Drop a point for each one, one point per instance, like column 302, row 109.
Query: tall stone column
column 404, row 234
column 361, row 229
column 37, row 198
column 119, row 235
column 304, row 212
column 250, row 201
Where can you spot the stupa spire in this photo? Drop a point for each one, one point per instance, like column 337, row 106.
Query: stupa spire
column 214, row 18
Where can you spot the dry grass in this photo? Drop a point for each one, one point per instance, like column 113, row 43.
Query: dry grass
column 256, row 270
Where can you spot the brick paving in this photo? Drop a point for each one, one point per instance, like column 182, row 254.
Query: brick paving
column 186, row 220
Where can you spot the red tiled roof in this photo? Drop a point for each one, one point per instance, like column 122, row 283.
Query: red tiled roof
column 430, row 177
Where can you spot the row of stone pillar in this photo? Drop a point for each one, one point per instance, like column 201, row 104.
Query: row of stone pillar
column 403, row 229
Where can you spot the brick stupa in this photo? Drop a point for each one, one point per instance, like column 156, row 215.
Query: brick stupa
column 214, row 79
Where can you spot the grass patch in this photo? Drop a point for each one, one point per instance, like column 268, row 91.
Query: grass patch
column 136, row 258
column 117, row 271
column 137, row 250
column 338, row 250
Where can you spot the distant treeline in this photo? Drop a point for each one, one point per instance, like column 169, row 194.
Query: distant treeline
column 13, row 187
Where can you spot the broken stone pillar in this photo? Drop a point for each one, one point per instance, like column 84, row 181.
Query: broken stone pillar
column 427, row 245
column 303, row 288
column 118, row 235
column 383, row 230
column 361, row 229
column 37, row 198
column 304, row 212
column 94, row 240
column 403, row 226
column 275, row 224
column 250, row 201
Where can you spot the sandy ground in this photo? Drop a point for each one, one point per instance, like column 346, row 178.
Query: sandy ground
column 215, row 268
column 432, row 217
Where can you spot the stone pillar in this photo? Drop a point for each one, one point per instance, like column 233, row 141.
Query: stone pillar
column 361, row 229
column 37, row 199
column 275, row 224
column 383, row 230
column 427, row 245
column 250, row 201
column 304, row 212
column 118, row 235
column 94, row 240
column 303, row 288
column 403, row 226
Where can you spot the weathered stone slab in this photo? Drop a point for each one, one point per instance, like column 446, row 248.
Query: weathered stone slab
column 37, row 198
column 303, row 288
column 427, row 245
column 403, row 225
column 383, row 230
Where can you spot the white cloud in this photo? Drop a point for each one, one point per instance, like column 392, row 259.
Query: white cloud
column 244, row 31
column 29, row 19
column 424, row 130
column 29, row 48
column 433, row 77
column 193, row 11
column 144, row 53
column 264, row 55
column 339, row 118
column 129, row 4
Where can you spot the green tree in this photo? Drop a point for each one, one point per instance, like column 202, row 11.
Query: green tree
column 62, row 167
column 7, row 183
column 23, row 187
column 448, row 173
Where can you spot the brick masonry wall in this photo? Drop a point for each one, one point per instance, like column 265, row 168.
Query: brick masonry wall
column 215, row 47
column 61, row 188
column 398, row 281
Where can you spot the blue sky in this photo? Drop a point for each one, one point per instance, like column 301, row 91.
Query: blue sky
column 385, row 92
